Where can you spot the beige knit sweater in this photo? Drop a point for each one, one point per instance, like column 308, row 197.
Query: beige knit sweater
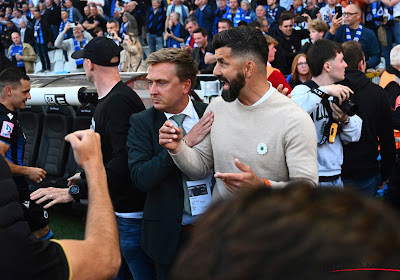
column 278, row 123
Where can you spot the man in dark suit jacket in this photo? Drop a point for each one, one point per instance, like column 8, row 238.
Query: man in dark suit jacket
column 165, row 225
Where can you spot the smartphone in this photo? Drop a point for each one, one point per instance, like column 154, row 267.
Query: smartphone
column 168, row 30
column 338, row 11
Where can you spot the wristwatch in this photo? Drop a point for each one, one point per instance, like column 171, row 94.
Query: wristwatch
column 74, row 192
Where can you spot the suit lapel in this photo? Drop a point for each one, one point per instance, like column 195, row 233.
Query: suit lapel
column 199, row 107
column 159, row 120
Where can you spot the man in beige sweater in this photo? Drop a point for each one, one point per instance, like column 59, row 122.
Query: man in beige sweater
column 259, row 137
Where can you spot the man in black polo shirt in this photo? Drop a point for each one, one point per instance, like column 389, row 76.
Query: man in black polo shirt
column 117, row 102
column 14, row 92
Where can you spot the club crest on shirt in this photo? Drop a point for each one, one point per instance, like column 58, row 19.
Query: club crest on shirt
column 6, row 129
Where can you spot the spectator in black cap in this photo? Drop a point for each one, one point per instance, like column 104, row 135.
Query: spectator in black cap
column 117, row 102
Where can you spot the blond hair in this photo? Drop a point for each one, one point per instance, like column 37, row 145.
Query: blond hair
column 185, row 66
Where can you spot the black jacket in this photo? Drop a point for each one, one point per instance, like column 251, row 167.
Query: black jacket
column 392, row 92
column 360, row 158
column 288, row 49
column 154, row 172
column 111, row 120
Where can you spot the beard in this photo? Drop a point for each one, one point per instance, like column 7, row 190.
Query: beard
column 231, row 93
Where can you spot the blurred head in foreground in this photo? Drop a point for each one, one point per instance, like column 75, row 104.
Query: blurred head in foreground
column 298, row 232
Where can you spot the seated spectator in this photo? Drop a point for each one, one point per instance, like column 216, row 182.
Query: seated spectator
column 274, row 76
column 22, row 54
column 86, row 13
column 289, row 43
column 249, row 15
column 306, row 234
column 77, row 42
column 261, row 13
column 132, row 55
column 93, row 21
column 265, row 27
column 353, row 30
column 224, row 24
column 317, row 29
column 176, row 34
column 191, row 25
column 62, row 259
column 205, row 15
column 178, row 7
column 198, row 54
column 235, row 14
column 43, row 36
column 63, row 23
column 155, row 26
column 300, row 71
column 219, row 14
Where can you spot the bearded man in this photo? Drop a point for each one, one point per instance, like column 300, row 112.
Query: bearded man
column 259, row 137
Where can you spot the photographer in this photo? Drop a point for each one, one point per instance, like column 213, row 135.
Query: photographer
column 77, row 42
column 331, row 119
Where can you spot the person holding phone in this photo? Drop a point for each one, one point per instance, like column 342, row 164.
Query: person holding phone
column 353, row 30
column 176, row 32
column 329, row 11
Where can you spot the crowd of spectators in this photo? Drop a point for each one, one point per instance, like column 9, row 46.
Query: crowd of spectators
column 295, row 25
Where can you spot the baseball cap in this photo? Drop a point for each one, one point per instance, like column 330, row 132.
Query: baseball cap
column 100, row 50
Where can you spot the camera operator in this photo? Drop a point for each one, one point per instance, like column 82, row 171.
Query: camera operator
column 330, row 116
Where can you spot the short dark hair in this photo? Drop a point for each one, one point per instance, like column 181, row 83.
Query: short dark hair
column 201, row 30
column 116, row 22
column 255, row 24
column 228, row 21
column 297, row 232
column 244, row 41
column 242, row 22
column 12, row 77
column 319, row 53
column 352, row 54
column 283, row 18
